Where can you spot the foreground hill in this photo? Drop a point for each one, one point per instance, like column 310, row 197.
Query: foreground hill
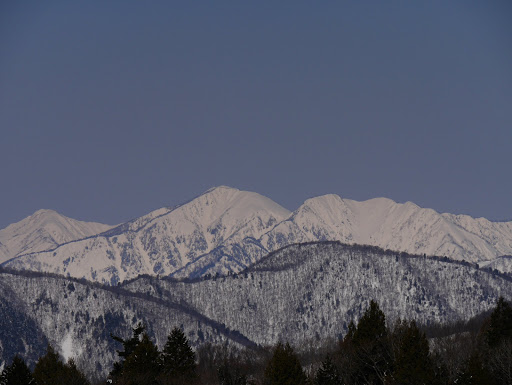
column 303, row 294
column 226, row 230
column 307, row 292
column 78, row 317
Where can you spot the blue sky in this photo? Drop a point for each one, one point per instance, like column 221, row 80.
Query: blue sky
column 111, row 109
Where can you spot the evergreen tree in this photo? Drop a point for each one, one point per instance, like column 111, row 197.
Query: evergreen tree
column 371, row 347
column 143, row 365
column 17, row 373
column 50, row 370
column 178, row 358
column 328, row 373
column 500, row 326
column 371, row 326
column 129, row 346
column 475, row 373
column 74, row 376
column 284, row 367
column 230, row 376
column 351, row 331
column 413, row 364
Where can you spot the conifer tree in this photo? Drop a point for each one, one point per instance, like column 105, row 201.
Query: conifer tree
column 129, row 346
column 50, row 370
column 475, row 373
column 178, row 358
column 371, row 326
column 17, row 373
column 228, row 375
column 74, row 376
column 371, row 347
column 413, row 363
column 500, row 326
column 351, row 331
column 284, row 367
column 328, row 373
column 143, row 365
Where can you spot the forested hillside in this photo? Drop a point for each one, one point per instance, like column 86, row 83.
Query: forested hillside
column 303, row 294
column 308, row 291
column 373, row 352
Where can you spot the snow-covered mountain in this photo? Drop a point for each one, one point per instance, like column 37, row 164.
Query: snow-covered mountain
column 390, row 225
column 225, row 230
column 166, row 240
column 43, row 230
column 303, row 294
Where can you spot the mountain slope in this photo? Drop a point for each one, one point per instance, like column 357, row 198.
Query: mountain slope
column 44, row 230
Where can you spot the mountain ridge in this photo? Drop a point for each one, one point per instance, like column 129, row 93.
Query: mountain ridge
column 225, row 230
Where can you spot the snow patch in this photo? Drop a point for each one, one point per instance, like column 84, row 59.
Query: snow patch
column 67, row 350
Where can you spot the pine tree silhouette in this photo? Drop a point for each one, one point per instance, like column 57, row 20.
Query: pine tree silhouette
column 129, row 346
column 17, row 373
column 50, row 370
column 143, row 365
column 413, row 364
column 500, row 326
column 178, row 358
column 328, row 373
column 371, row 345
column 284, row 367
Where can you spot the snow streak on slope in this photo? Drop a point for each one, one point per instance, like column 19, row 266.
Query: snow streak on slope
column 44, row 230
column 166, row 240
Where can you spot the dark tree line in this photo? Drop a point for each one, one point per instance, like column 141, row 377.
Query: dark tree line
column 372, row 352
column 49, row 370
column 141, row 363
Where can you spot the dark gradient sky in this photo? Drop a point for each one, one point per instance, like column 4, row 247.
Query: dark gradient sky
column 111, row 109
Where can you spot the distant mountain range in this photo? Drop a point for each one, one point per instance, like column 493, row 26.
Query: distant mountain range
column 226, row 230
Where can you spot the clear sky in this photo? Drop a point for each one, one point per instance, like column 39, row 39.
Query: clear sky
column 110, row 109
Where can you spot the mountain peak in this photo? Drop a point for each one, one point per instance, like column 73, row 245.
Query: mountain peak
column 220, row 189
column 323, row 199
column 43, row 230
column 45, row 212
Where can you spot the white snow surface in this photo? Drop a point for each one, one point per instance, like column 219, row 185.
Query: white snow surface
column 68, row 348
column 225, row 230
column 43, row 230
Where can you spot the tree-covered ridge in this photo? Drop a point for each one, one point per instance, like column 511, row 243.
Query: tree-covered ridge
column 313, row 290
column 372, row 352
